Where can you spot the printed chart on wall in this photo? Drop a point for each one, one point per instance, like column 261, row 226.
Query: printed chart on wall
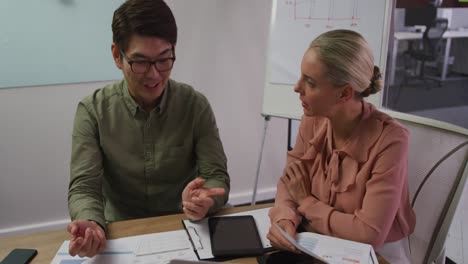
column 295, row 23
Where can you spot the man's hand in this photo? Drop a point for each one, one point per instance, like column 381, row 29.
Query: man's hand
column 297, row 181
column 278, row 240
column 197, row 200
column 88, row 238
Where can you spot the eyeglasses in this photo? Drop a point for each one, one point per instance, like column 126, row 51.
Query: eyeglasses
column 142, row 66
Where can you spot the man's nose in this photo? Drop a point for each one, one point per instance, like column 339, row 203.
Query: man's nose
column 153, row 71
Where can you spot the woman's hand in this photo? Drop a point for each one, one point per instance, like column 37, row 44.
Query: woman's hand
column 297, row 181
column 278, row 240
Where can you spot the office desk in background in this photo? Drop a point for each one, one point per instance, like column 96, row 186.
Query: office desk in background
column 47, row 243
column 448, row 35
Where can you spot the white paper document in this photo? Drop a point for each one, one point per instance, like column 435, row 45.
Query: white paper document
column 165, row 242
column 157, row 248
column 200, row 234
column 331, row 249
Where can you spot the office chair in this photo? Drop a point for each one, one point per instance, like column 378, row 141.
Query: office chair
column 430, row 48
column 429, row 51
column 437, row 172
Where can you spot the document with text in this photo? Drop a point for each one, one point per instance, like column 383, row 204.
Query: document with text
column 331, row 249
column 157, row 248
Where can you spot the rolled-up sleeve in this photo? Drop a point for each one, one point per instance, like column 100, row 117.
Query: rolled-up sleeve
column 211, row 159
column 85, row 201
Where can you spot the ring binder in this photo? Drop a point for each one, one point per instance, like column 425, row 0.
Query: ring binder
column 192, row 236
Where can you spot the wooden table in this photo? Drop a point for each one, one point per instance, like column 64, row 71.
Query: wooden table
column 47, row 243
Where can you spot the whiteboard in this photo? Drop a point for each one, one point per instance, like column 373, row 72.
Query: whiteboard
column 295, row 23
column 56, row 41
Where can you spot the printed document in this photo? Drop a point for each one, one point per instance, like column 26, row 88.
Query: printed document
column 157, row 248
column 331, row 249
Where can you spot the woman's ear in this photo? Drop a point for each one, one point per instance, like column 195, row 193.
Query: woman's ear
column 347, row 93
column 116, row 55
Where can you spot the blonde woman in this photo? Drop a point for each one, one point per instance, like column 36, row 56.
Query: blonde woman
column 347, row 174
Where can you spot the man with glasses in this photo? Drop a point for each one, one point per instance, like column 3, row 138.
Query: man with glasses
column 144, row 146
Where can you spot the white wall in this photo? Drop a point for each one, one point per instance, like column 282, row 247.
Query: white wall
column 221, row 51
column 399, row 19
column 35, row 133
column 459, row 19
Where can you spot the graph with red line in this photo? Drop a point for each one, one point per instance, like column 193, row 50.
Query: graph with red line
column 295, row 23
column 337, row 11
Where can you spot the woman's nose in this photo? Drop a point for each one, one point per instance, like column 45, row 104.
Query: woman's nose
column 297, row 87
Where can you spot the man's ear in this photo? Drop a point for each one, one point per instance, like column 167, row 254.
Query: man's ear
column 347, row 93
column 116, row 55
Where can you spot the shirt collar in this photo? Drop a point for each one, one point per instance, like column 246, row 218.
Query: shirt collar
column 135, row 108
column 363, row 137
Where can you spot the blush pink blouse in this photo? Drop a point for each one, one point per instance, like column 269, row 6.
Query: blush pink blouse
column 362, row 188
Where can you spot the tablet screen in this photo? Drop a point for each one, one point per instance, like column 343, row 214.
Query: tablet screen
column 234, row 236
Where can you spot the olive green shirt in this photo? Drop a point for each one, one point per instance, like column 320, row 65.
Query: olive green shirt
column 127, row 163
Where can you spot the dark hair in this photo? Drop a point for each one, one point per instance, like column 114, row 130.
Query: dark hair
column 145, row 18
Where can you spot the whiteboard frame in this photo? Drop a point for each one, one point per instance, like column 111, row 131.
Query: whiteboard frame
column 273, row 91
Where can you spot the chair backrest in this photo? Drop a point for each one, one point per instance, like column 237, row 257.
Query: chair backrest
column 437, row 172
column 432, row 37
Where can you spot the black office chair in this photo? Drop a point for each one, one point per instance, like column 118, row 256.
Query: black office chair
column 431, row 46
column 429, row 52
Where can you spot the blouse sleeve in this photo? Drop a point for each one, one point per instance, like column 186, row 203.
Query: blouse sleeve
column 285, row 207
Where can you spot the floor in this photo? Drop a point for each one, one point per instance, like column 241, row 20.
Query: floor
column 448, row 102
column 430, row 99
column 448, row 114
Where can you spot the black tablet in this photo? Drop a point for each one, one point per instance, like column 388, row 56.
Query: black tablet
column 234, row 236
column 280, row 257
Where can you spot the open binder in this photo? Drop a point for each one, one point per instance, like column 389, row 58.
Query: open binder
column 199, row 233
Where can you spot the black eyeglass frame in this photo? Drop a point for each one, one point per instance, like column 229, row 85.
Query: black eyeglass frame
column 149, row 63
